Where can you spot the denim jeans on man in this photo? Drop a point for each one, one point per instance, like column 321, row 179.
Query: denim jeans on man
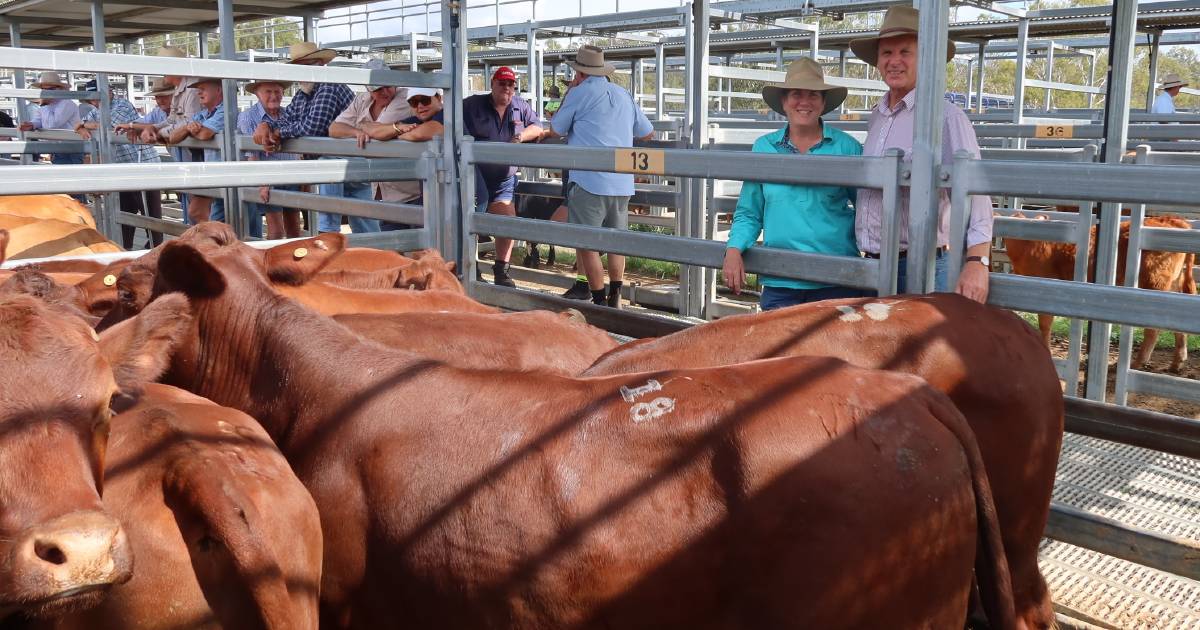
column 940, row 279
column 255, row 211
column 330, row 222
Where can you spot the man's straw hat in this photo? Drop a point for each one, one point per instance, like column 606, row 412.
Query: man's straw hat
column 252, row 87
column 160, row 87
column 804, row 74
column 49, row 80
column 898, row 21
column 172, row 51
column 1172, row 80
column 590, row 60
column 304, row 51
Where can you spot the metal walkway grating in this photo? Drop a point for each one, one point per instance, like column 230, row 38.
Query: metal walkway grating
column 1150, row 490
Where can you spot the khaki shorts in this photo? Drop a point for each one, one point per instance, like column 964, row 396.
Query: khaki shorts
column 584, row 208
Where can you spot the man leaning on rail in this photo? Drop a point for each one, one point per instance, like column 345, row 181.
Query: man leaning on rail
column 281, row 222
column 598, row 113
column 500, row 116
column 312, row 110
column 122, row 111
column 55, row 113
column 894, row 52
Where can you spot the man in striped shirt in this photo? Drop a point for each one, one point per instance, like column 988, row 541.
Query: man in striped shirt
column 122, row 111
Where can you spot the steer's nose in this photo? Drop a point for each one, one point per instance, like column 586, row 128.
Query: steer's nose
column 70, row 555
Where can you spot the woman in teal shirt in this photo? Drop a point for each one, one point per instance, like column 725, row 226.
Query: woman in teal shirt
column 815, row 219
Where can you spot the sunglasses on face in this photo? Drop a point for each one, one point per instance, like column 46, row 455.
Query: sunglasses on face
column 418, row 101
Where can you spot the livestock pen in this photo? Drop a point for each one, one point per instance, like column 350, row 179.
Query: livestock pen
column 1127, row 474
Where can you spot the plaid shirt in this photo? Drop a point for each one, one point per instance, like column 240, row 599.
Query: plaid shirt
column 124, row 112
column 311, row 114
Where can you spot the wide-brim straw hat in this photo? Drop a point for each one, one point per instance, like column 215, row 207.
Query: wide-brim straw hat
column 590, row 60
column 898, row 21
column 49, row 80
column 1172, row 80
column 160, row 88
column 172, row 51
column 252, row 87
column 196, row 82
column 804, row 74
column 303, row 51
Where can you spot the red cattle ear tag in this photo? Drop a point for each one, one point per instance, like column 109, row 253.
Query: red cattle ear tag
column 300, row 252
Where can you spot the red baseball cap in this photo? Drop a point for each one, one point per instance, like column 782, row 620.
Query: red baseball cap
column 504, row 73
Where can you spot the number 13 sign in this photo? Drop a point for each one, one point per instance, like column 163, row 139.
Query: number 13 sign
column 639, row 161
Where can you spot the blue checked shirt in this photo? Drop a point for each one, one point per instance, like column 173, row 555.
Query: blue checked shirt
column 124, row 112
column 311, row 114
column 248, row 121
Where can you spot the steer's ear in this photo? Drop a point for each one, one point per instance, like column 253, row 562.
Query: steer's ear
column 182, row 268
column 139, row 350
column 296, row 262
column 3, row 244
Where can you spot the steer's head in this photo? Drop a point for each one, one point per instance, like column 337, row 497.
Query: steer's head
column 429, row 271
column 59, row 550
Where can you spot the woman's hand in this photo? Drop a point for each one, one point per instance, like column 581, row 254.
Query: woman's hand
column 734, row 270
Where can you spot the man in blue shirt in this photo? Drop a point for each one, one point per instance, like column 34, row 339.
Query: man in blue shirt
column 122, row 111
column 281, row 222
column 500, row 116
column 205, row 125
column 597, row 113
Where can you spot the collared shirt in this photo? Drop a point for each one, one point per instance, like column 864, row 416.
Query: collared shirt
column 892, row 127
column 153, row 117
column 124, row 112
column 246, row 124
column 359, row 112
column 485, row 125
column 185, row 104
column 815, row 219
column 311, row 114
column 597, row 113
column 1163, row 104
column 213, row 119
column 57, row 114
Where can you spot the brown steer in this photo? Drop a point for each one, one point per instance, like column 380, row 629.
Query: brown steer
column 224, row 533
column 987, row 360
column 59, row 549
column 792, row 493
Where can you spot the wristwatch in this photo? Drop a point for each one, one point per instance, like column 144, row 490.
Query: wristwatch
column 396, row 127
column 983, row 260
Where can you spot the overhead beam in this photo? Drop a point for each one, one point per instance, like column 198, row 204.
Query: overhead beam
column 111, row 24
column 193, row 5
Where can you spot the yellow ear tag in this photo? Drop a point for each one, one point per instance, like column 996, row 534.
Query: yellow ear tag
column 95, row 335
column 110, row 280
column 300, row 252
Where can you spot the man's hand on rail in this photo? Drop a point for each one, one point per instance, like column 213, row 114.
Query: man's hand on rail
column 26, row 126
column 264, row 194
column 973, row 282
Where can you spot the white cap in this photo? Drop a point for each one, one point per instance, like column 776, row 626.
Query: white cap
column 423, row 91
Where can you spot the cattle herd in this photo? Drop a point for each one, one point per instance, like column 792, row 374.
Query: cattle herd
column 213, row 435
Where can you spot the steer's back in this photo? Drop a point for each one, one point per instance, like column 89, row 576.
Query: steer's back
column 788, row 493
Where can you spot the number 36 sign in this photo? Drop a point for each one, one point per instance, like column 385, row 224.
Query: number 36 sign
column 643, row 161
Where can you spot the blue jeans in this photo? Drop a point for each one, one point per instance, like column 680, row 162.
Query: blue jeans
column 216, row 212
column 781, row 297
column 330, row 222
column 255, row 211
column 940, row 280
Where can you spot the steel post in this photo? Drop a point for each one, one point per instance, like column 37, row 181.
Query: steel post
column 309, row 33
column 779, row 57
column 110, row 204
column 1049, row 75
column 1155, row 40
column 1116, row 122
column 635, row 80
column 14, row 34
column 454, row 174
column 660, row 81
column 982, row 63
column 924, row 193
column 1091, row 79
column 413, row 44
column 692, row 293
column 235, row 214
column 202, row 41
